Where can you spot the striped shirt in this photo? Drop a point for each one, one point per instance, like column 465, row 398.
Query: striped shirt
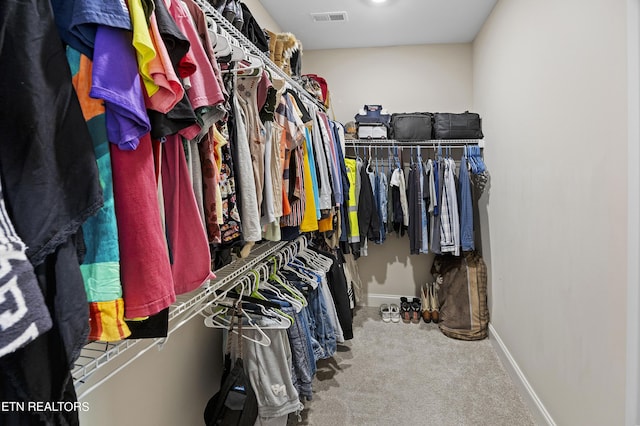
column 449, row 219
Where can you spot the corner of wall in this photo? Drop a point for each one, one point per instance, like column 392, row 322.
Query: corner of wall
column 632, row 415
column 537, row 408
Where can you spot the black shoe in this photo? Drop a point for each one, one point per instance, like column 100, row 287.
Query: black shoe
column 416, row 310
column 405, row 310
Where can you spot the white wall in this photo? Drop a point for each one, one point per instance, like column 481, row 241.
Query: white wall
column 401, row 79
column 633, row 251
column 550, row 81
column 262, row 16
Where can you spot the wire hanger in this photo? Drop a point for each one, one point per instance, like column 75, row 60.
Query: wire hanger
column 219, row 319
column 269, row 285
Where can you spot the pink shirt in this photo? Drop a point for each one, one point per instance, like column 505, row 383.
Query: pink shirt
column 205, row 90
column 190, row 256
column 170, row 88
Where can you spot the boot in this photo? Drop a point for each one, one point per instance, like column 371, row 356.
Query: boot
column 426, row 303
column 435, row 303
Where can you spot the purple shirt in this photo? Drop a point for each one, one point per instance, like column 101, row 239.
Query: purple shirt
column 116, row 80
column 77, row 20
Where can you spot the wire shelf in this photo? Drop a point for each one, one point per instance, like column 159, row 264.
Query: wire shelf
column 451, row 143
column 96, row 355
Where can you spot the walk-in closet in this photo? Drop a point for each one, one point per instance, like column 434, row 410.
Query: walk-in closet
column 286, row 212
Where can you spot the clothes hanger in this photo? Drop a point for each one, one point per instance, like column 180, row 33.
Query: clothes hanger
column 213, row 32
column 250, row 65
column 222, row 47
column 219, row 319
column 296, row 270
column 478, row 157
column 324, row 263
column 266, row 308
column 308, row 254
column 289, row 294
column 312, row 263
column 369, row 167
column 266, row 284
column 396, row 158
column 472, row 164
column 304, row 269
column 237, row 52
column 255, row 278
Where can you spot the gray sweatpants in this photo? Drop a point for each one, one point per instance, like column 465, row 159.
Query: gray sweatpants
column 269, row 370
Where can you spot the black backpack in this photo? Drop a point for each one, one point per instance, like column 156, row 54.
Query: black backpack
column 235, row 404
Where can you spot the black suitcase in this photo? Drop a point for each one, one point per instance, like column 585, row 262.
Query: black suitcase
column 413, row 126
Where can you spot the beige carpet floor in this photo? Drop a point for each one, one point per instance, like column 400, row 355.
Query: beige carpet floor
column 411, row 374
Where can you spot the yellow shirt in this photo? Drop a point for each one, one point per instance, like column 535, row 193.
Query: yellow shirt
column 309, row 220
column 145, row 51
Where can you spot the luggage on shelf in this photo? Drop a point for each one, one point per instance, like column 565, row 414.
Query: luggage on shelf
column 467, row 125
column 411, row 126
column 372, row 114
column 372, row 131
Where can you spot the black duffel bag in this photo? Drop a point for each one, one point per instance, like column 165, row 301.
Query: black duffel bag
column 411, row 126
column 467, row 125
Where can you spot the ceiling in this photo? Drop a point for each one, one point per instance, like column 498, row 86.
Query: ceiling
column 394, row 23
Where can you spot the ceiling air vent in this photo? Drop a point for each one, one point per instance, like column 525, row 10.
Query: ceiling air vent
column 329, row 17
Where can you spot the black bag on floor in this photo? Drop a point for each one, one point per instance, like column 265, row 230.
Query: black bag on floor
column 235, row 404
column 412, row 126
column 457, row 126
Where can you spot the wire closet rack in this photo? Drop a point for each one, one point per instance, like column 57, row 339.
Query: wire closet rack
column 96, row 355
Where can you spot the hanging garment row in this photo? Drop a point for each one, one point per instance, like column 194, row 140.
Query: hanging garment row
column 228, row 150
column 291, row 312
column 432, row 200
column 170, row 170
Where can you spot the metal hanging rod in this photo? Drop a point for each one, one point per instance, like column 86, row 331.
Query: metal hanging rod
column 245, row 43
column 432, row 143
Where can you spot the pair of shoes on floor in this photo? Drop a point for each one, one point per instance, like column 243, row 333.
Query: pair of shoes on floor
column 430, row 303
column 410, row 310
column 390, row 313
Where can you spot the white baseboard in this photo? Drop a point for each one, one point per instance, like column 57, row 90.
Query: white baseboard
column 376, row 299
column 536, row 406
